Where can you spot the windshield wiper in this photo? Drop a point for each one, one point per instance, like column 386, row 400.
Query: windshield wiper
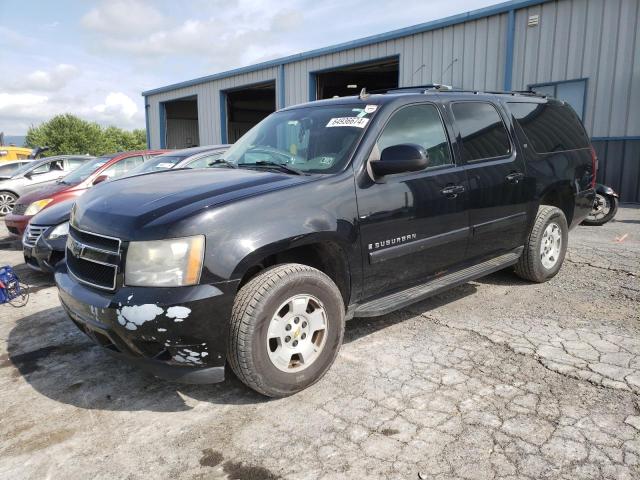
column 222, row 161
column 280, row 166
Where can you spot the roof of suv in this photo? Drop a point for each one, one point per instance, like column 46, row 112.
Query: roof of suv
column 427, row 91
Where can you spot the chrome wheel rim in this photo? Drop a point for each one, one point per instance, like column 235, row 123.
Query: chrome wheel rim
column 7, row 203
column 297, row 333
column 601, row 208
column 550, row 245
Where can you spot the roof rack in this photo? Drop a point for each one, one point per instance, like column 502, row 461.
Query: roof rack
column 437, row 87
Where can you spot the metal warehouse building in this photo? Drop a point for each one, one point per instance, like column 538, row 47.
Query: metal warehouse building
column 586, row 52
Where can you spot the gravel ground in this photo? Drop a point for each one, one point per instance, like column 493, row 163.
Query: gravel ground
column 496, row 379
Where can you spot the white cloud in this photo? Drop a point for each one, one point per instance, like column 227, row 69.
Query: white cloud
column 118, row 106
column 120, row 18
column 50, row 81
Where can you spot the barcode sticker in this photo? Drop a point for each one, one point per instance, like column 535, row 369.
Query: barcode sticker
column 357, row 122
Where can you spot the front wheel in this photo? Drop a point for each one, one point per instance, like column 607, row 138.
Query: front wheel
column 546, row 246
column 604, row 209
column 287, row 326
column 7, row 202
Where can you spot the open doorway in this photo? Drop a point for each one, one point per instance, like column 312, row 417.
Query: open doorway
column 350, row 79
column 182, row 123
column 247, row 106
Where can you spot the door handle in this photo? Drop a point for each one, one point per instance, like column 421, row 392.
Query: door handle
column 452, row 191
column 514, row 177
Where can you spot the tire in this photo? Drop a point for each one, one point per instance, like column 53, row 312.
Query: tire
column 257, row 357
column 533, row 265
column 7, row 201
column 613, row 209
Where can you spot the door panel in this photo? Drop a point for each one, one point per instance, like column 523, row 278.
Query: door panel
column 413, row 225
column 496, row 175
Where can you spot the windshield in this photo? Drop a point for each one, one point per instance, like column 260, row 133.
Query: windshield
column 161, row 162
column 312, row 139
column 82, row 173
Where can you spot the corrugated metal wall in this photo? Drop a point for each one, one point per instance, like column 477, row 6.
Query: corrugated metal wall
column 182, row 133
column 593, row 39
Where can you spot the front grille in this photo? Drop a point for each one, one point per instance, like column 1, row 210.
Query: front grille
column 93, row 259
column 32, row 234
column 19, row 208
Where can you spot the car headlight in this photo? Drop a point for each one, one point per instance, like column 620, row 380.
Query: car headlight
column 35, row 207
column 61, row 230
column 175, row 262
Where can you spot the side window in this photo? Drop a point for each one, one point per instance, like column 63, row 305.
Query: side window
column 204, row 162
column 419, row 124
column 550, row 127
column 123, row 166
column 42, row 169
column 482, row 130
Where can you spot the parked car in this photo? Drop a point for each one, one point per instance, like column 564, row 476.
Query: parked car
column 348, row 207
column 44, row 239
column 7, row 169
column 195, row 157
column 35, row 175
column 74, row 185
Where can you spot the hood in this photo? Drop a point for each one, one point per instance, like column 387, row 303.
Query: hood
column 46, row 191
column 155, row 201
column 54, row 214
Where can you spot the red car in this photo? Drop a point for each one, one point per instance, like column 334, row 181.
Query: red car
column 73, row 185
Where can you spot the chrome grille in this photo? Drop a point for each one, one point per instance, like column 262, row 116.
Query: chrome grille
column 93, row 259
column 32, row 234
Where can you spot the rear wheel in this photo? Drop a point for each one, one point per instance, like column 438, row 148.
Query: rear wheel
column 287, row 326
column 7, row 202
column 546, row 246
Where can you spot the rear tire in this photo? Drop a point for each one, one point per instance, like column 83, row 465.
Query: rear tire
column 546, row 246
column 7, row 202
column 282, row 305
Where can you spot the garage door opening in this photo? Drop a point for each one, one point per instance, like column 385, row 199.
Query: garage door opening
column 349, row 80
column 247, row 106
column 182, row 123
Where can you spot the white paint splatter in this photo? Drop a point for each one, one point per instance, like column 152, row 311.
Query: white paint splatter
column 178, row 313
column 162, row 329
column 129, row 297
column 133, row 317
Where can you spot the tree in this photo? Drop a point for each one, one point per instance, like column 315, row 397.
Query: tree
column 67, row 134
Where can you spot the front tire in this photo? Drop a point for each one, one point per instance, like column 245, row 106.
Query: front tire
column 287, row 326
column 546, row 246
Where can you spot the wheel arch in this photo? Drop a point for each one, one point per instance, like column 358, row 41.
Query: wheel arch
column 561, row 196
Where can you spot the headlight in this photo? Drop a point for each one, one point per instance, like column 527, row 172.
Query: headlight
column 35, row 207
column 165, row 263
column 60, row 231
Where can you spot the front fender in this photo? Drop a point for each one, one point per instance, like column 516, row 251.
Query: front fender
column 604, row 190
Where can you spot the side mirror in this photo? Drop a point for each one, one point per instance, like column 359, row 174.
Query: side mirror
column 100, row 179
column 406, row 157
column 28, row 175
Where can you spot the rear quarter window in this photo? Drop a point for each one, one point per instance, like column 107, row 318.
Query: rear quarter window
column 482, row 131
column 550, row 127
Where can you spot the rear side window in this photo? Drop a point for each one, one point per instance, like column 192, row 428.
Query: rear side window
column 550, row 127
column 482, row 130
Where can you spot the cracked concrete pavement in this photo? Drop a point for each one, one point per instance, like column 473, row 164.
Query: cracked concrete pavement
column 496, row 379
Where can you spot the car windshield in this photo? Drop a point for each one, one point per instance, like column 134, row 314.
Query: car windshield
column 310, row 139
column 82, row 173
column 161, row 162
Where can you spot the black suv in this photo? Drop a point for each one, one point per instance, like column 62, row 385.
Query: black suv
column 350, row 207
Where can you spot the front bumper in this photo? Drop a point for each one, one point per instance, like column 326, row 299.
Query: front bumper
column 179, row 334
column 16, row 224
column 45, row 254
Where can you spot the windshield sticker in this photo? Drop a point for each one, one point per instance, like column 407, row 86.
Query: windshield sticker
column 370, row 108
column 165, row 165
column 357, row 122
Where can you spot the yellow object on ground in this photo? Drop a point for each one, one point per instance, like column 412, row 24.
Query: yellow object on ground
column 14, row 153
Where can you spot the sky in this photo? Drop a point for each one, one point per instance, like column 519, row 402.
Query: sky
column 94, row 58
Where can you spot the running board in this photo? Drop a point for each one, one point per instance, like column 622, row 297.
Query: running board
column 384, row 305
